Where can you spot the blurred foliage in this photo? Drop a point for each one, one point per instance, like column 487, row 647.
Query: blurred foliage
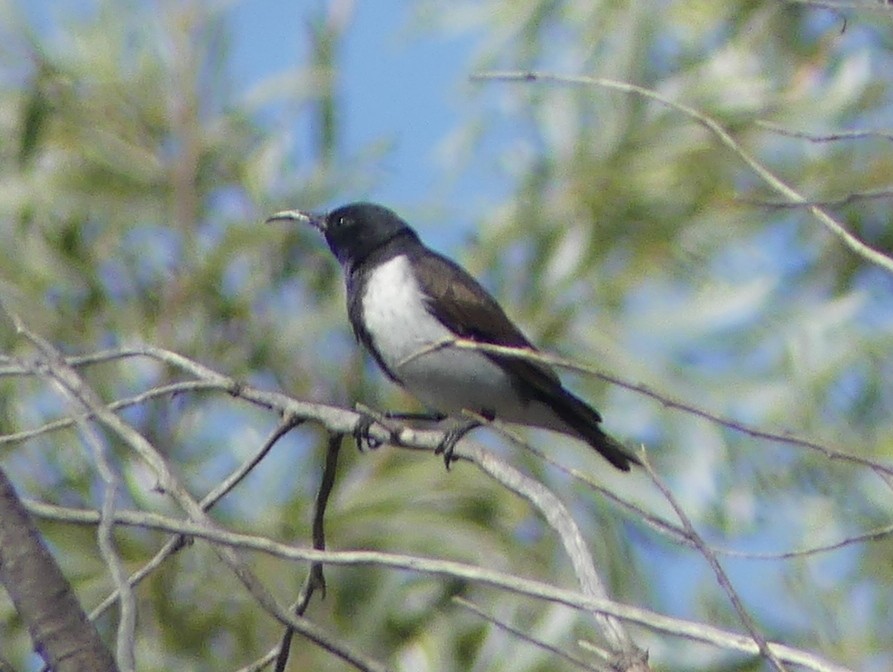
column 133, row 183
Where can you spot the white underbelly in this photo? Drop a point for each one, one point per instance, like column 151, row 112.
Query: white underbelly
column 452, row 380
column 444, row 379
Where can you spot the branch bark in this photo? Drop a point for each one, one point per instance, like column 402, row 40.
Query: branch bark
column 536, row 589
column 626, row 655
column 344, row 421
column 62, row 634
column 69, row 378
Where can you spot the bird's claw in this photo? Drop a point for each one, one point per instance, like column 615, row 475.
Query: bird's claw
column 446, row 447
column 452, row 437
column 361, row 434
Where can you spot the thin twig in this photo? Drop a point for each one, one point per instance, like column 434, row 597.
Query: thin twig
column 53, row 368
column 171, row 389
column 554, row 650
column 876, row 6
column 857, row 246
column 560, row 520
column 175, row 543
column 721, row 576
column 878, row 534
column 315, row 577
column 261, row 663
column 322, row 500
column 825, row 137
column 669, row 402
column 855, row 197
column 171, row 485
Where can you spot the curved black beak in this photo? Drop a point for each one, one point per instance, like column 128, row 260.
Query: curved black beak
column 314, row 219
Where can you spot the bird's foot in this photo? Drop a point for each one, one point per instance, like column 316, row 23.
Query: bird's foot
column 446, row 447
column 452, row 437
column 361, row 433
column 424, row 417
column 368, row 417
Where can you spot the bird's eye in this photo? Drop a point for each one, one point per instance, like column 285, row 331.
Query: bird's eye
column 344, row 221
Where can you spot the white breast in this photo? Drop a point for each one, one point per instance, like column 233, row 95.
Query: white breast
column 447, row 379
column 401, row 327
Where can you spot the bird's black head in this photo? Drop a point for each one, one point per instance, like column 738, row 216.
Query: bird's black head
column 355, row 230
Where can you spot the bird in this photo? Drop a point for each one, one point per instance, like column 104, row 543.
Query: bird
column 406, row 303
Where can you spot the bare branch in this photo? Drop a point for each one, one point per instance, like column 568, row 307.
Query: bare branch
column 175, row 543
column 67, row 376
column 171, row 389
column 857, row 246
column 650, row 619
column 721, row 576
column 42, row 596
column 334, row 418
column 315, row 578
column 873, row 6
column 340, row 420
column 827, row 137
column 554, row 650
column 560, row 520
column 669, row 402
column 878, row 534
column 126, row 637
column 424, row 440
column 855, row 197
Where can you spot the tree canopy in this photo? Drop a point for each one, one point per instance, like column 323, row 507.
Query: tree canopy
column 693, row 222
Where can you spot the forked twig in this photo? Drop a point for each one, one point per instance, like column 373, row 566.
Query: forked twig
column 315, row 578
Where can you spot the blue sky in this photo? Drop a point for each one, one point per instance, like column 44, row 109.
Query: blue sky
column 411, row 94
column 397, row 83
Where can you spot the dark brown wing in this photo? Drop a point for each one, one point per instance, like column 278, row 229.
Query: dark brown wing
column 466, row 308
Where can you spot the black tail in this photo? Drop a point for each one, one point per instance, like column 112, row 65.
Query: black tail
column 585, row 420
